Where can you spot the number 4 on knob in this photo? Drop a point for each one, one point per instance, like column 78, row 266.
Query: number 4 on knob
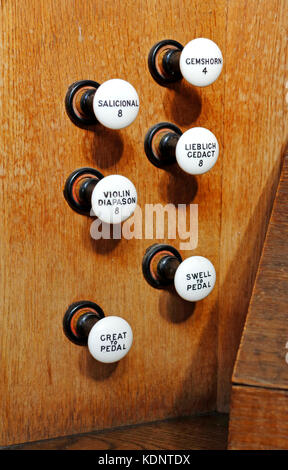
column 200, row 62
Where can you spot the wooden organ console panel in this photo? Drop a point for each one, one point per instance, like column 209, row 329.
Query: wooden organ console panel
column 182, row 356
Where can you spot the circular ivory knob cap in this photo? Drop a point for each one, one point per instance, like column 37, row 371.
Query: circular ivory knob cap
column 114, row 199
column 116, row 103
column 197, row 151
column 110, row 339
column 201, row 62
column 195, row 278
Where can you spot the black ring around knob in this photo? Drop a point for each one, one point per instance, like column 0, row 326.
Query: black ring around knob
column 152, row 150
column 152, row 277
column 85, row 119
column 72, row 185
column 74, row 314
column 163, row 72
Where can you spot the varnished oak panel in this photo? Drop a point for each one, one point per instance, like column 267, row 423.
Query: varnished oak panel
column 262, row 355
column 259, row 415
column 255, row 135
column 258, row 419
column 191, row 433
column 49, row 386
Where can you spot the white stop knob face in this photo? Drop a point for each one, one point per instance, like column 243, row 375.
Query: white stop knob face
column 201, row 62
column 197, row 151
column 116, row 103
column 114, row 199
column 195, row 278
column 110, row 339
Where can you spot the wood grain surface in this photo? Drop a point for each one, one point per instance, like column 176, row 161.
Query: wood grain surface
column 258, row 419
column 259, row 407
column 255, row 136
column 206, row 432
column 48, row 260
column 49, row 386
column 262, row 357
